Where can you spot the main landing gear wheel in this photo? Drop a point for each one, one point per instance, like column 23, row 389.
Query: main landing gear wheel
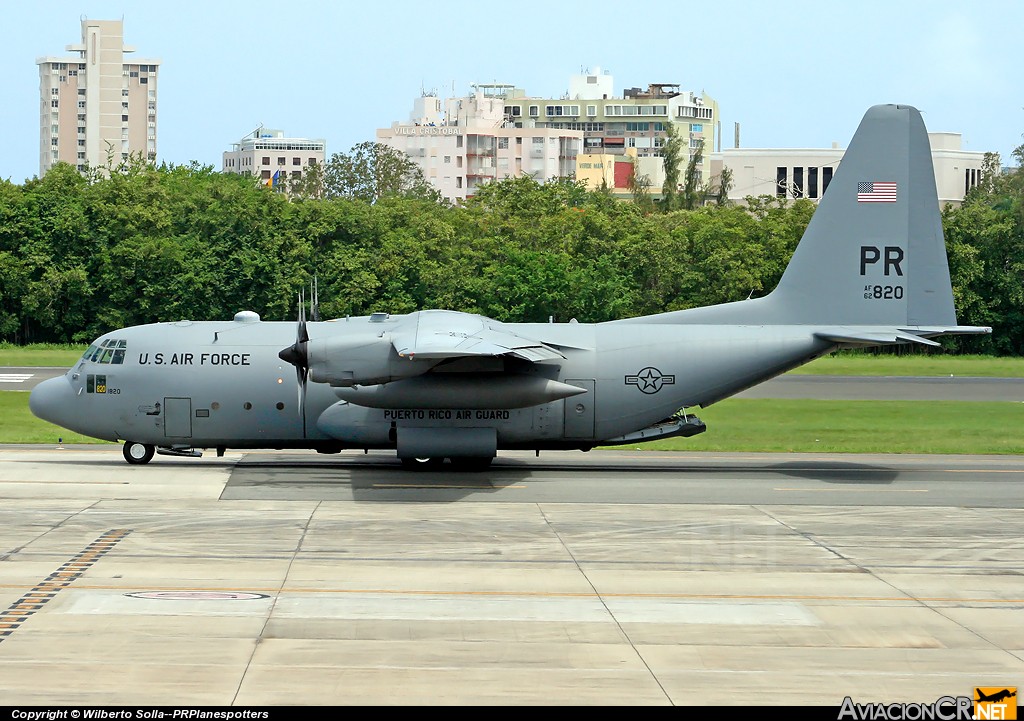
column 472, row 463
column 137, row 453
column 423, row 464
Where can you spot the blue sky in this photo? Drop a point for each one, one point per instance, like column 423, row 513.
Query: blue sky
column 793, row 74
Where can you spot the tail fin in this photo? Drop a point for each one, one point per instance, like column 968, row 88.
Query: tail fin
column 874, row 253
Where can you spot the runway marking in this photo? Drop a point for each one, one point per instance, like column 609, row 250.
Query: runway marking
column 429, row 486
column 981, row 470
column 42, row 593
column 552, row 594
column 855, row 490
column 15, row 377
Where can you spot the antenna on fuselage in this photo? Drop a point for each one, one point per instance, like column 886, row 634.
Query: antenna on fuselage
column 314, row 288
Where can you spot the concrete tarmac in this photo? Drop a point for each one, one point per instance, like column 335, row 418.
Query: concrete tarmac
column 607, row 578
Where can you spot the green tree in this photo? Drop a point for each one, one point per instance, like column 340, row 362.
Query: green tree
column 371, row 171
column 640, row 188
column 723, row 186
column 672, row 161
column 692, row 182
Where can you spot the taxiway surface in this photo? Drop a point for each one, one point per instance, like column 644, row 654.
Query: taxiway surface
column 603, row 578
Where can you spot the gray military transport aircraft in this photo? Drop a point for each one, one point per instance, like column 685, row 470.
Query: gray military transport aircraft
column 869, row 271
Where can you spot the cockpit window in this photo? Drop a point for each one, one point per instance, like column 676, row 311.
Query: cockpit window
column 111, row 350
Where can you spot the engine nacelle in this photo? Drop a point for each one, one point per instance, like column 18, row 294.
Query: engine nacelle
column 360, row 359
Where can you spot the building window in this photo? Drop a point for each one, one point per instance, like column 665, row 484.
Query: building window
column 265, row 174
column 812, row 182
column 798, row 182
column 124, row 118
column 534, row 111
column 280, row 160
column 447, row 159
column 124, row 93
column 56, row 103
column 826, row 178
column 143, row 81
column 296, row 161
column 266, row 160
column 502, row 143
column 458, row 182
column 781, row 181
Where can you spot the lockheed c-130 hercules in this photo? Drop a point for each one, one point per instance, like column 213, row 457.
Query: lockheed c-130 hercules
column 870, row 270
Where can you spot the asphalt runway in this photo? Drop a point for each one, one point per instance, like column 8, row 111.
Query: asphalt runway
column 607, row 578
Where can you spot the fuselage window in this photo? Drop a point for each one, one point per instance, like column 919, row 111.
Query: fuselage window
column 118, row 355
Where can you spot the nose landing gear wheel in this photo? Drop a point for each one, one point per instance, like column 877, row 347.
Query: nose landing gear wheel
column 137, row 453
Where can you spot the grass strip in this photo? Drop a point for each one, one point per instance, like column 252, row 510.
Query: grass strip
column 752, row 425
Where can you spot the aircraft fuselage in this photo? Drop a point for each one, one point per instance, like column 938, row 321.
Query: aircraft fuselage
column 222, row 384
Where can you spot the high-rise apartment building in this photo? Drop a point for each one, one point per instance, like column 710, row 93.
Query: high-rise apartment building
column 95, row 105
column 499, row 131
column 470, row 142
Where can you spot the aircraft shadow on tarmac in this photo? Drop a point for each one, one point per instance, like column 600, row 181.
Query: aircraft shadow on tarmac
column 382, row 478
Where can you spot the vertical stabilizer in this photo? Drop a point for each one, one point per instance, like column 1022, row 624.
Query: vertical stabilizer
column 874, row 252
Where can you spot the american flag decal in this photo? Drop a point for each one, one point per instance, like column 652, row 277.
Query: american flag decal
column 876, row 192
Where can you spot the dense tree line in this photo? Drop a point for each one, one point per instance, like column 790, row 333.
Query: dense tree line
column 80, row 256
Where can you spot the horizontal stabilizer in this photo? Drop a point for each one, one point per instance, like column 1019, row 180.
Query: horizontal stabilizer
column 894, row 336
column 873, row 338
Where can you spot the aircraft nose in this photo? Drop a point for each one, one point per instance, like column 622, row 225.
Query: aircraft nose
column 52, row 400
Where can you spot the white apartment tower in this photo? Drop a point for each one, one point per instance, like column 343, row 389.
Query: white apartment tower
column 464, row 143
column 95, row 105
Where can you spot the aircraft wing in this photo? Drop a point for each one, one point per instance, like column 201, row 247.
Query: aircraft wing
column 440, row 335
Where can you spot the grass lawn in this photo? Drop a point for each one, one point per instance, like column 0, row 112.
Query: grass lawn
column 18, row 425
column 828, row 426
column 936, row 364
column 41, row 355
column 752, row 425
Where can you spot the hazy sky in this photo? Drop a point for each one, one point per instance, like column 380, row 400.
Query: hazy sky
column 793, row 74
